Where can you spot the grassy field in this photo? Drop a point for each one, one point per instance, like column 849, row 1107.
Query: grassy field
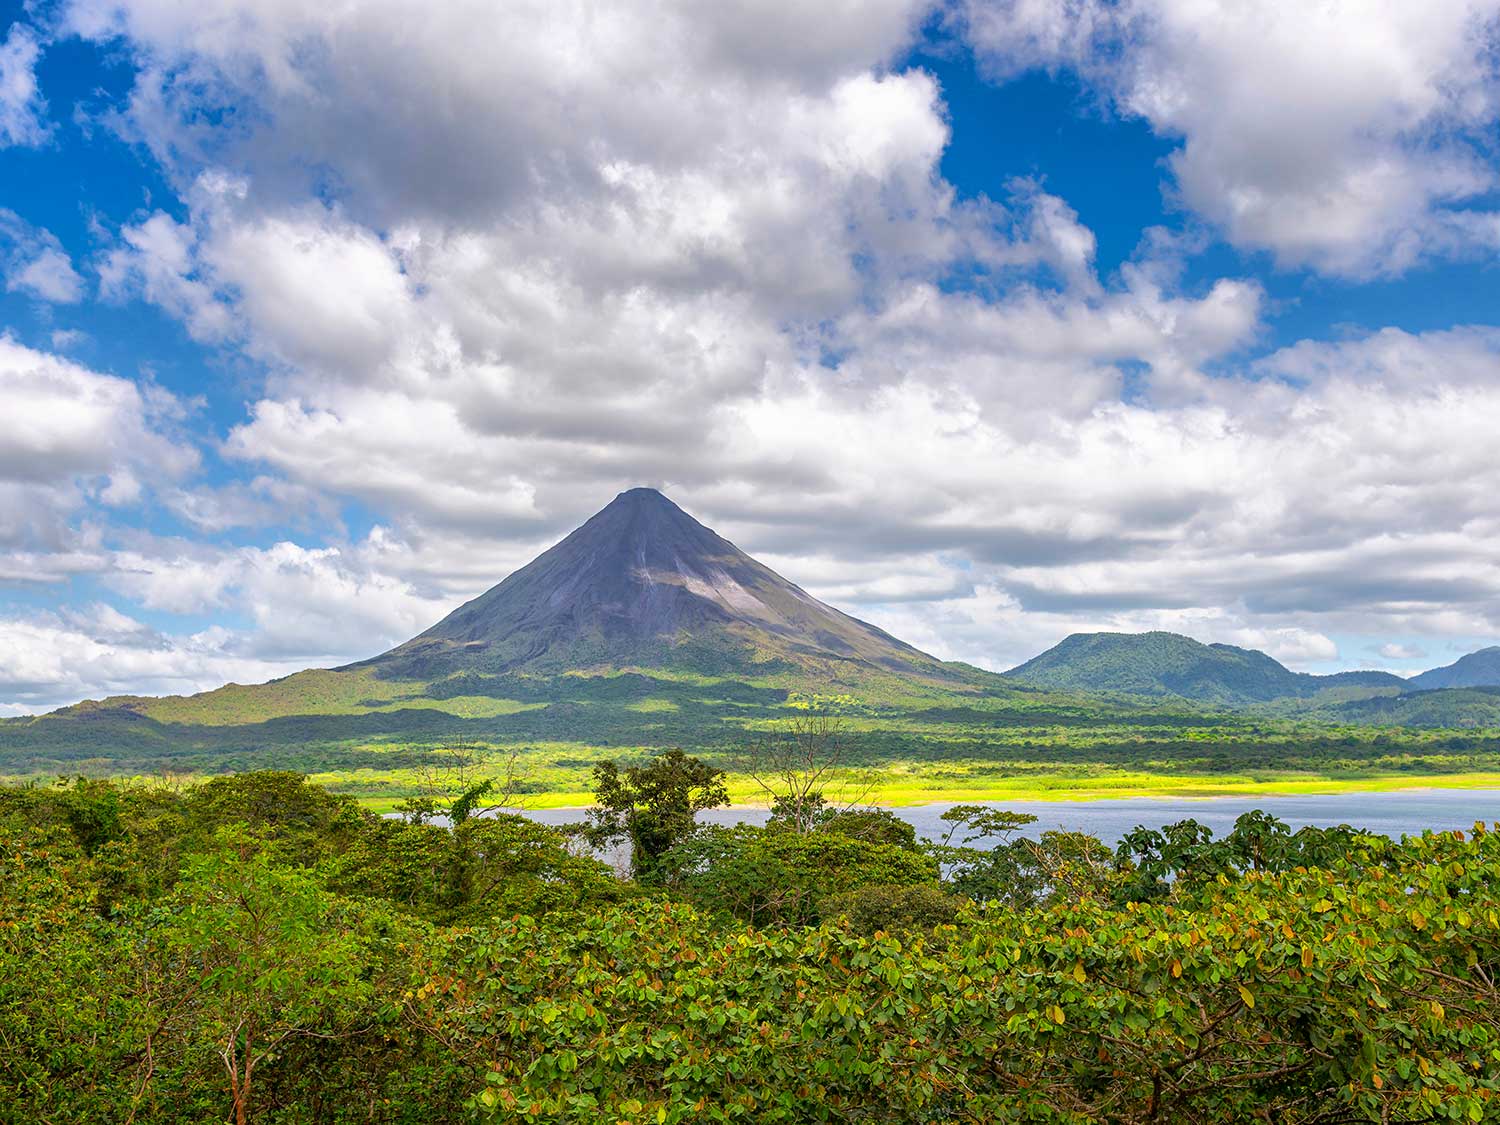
column 557, row 775
column 899, row 792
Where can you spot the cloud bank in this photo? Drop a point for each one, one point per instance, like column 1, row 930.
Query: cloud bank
column 491, row 266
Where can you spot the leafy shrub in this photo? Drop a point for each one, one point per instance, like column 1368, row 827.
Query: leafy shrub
column 892, row 908
column 875, row 826
column 485, row 868
column 777, row 878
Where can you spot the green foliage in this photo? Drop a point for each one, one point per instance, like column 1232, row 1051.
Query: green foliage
column 1186, row 855
column 1016, row 871
column 484, row 868
column 1169, row 665
column 1457, row 708
column 770, row 877
column 652, row 807
column 300, row 820
column 893, row 908
column 1302, row 997
column 980, row 737
column 874, row 826
column 256, row 952
column 66, row 1007
column 244, row 956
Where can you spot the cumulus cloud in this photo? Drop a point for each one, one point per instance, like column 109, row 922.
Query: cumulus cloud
column 300, row 601
column 464, row 112
column 75, row 438
column 51, row 659
column 292, row 607
column 1352, row 138
column 155, row 260
column 1396, row 651
column 34, row 262
column 22, row 108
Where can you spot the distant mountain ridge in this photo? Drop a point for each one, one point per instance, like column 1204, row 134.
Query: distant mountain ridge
column 1477, row 669
column 1164, row 665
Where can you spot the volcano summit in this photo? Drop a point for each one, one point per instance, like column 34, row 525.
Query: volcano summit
column 644, row 585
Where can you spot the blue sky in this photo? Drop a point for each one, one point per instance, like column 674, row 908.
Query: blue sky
column 988, row 320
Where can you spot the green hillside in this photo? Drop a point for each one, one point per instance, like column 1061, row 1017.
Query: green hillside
column 1161, row 665
column 1477, row 669
column 1448, row 708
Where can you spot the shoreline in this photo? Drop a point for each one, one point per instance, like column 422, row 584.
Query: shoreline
column 1187, row 790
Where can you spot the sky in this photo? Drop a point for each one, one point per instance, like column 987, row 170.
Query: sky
column 988, row 321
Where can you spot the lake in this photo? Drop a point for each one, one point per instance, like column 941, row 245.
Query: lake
column 1397, row 813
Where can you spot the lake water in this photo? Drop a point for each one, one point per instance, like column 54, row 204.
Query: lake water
column 1403, row 812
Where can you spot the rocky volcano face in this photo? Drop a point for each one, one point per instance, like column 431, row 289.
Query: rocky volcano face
column 642, row 584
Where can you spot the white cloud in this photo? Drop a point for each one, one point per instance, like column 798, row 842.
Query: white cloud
column 73, row 436
column 1349, row 137
column 1397, row 651
column 155, row 260
column 22, row 108
column 48, row 660
column 50, row 276
column 34, row 262
column 65, row 338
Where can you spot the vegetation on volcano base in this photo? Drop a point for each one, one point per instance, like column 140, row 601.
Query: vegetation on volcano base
column 258, row 948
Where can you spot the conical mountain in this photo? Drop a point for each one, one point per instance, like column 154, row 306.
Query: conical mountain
column 644, row 585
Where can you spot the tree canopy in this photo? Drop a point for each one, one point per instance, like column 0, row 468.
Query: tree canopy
column 260, row 950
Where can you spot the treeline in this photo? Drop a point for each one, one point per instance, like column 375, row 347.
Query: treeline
column 258, row 949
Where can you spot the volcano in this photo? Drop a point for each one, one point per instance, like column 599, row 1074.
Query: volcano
column 644, row 585
column 642, row 627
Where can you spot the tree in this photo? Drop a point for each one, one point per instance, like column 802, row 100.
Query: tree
column 301, row 822
column 248, row 955
column 482, row 868
column 1185, row 855
column 995, row 872
column 461, row 781
column 1312, row 997
column 1016, row 870
column 67, row 1014
column 802, row 767
column 772, row 878
column 652, row 807
column 1184, row 852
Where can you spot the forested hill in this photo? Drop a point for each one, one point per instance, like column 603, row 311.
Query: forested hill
column 1477, row 669
column 1165, row 665
column 1446, row 708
